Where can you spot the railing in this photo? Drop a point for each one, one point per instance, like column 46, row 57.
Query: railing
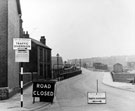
column 65, row 73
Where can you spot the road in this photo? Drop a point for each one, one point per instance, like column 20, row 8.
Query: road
column 72, row 95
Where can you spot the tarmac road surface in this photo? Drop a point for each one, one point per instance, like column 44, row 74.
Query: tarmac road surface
column 72, row 95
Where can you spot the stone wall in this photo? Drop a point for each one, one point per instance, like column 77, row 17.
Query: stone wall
column 128, row 78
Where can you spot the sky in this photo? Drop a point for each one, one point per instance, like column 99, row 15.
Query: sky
column 79, row 29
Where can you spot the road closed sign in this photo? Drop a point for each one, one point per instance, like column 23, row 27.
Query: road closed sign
column 44, row 89
column 96, row 98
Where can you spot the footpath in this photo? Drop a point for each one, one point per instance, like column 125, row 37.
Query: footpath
column 13, row 103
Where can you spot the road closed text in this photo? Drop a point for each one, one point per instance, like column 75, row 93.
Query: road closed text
column 43, row 93
column 47, row 86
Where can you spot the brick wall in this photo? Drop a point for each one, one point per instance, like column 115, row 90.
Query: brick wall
column 3, row 42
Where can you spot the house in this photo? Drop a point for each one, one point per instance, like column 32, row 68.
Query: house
column 40, row 59
column 99, row 65
column 131, row 65
column 117, row 68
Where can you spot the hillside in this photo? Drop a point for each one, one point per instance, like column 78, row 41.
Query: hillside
column 110, row 61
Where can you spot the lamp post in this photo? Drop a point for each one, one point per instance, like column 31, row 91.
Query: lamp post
column 57, row 65
column 80, row 64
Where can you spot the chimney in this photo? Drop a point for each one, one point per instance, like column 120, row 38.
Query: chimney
column 43, row 40
column 23, row 35
column 26, row 35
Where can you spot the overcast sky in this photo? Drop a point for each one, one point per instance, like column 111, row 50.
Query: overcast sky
column 82, row 28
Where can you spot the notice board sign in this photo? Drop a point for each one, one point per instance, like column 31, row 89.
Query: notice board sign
column 96, row 98
column 21, row 43
column 44, row 89
column 21, row 55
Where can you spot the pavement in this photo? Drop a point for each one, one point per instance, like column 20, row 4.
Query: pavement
column 13, row 103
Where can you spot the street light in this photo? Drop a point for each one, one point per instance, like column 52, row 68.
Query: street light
column 80, row 64
column 58, row 65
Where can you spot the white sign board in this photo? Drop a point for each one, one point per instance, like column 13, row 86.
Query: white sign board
column 21, row 55
column 21, row 43
column 96, row 98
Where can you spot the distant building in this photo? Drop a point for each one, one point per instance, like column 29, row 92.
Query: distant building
column 117, row 68
column 57, row 66
column 131, row 65
column 57, row 62
column 101, row 66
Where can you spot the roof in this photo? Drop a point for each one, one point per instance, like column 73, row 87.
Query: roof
column 117, row 64
column 18, row 7
column 39, row 43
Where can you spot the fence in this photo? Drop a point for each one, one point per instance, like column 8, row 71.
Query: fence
column 66, row 73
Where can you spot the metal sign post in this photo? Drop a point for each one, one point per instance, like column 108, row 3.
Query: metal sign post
column 96, row 97
column 21, row 81
column 21, row 47
column 97, row 86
